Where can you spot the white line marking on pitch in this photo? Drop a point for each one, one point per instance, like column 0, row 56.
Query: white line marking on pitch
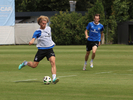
column 130, row 70
column 103, row 72
column 122, row 74
column 25, row 80
column 67, row 76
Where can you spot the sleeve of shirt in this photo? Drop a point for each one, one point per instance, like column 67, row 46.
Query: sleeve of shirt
column 88, row 26
column 36, row 34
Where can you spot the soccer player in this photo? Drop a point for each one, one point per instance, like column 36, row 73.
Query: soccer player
column 45, row 46
column 93, row 39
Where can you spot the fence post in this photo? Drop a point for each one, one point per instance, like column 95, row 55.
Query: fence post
column 72, row 5
column 107, row 35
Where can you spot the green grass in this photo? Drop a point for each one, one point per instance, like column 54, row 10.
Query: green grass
column 110, row 79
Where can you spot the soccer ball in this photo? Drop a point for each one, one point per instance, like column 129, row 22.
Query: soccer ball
column 47, row 80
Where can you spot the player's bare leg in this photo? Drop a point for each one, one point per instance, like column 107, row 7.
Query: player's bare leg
column 53, row 69
column 87, row 55
column 94, row 48
column 52, row 62
column 86, row 59
column 32, row 64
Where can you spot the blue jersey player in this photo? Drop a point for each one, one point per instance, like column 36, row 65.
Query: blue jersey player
column 45, row 46
column 93, row 39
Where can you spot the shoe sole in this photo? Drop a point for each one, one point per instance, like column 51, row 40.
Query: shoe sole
column 57, row 80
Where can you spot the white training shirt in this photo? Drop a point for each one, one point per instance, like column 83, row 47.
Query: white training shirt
column 44, row 38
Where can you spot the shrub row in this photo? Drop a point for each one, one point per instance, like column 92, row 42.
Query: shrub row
column 68, row 28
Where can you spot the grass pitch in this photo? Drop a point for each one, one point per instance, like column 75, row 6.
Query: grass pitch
column 110, row 79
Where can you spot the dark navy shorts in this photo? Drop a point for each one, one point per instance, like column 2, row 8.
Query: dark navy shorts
column 41, row 53
column 90, row 44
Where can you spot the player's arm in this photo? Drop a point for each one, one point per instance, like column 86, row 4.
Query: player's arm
column 32, row 41
column 87, row 29
column 101, row 38
column 102, row 35
column 36, row 34
column 86, row 34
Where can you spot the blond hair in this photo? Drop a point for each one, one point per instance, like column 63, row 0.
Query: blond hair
column 42, row 18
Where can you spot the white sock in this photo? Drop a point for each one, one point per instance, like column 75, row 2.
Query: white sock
column 91, row 60
column 85, row 62
column 53, row 76
column 25, row 63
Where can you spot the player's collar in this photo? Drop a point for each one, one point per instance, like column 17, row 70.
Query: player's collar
column 96, row 24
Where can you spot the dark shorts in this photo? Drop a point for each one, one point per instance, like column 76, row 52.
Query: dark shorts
column 90, row 44
column 43, row 53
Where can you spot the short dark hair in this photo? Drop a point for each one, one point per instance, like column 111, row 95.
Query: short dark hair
column 97, row 15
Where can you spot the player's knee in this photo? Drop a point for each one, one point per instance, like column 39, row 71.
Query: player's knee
column 53, row 62
column 87, row 54
column 34, row 66
column 93, row 52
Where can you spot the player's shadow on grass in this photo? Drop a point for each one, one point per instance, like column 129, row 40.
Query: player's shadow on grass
column 80, row 70
column 30, row 81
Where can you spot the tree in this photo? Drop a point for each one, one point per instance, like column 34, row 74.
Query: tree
column 84, row 5
column 119, row 14
column 41, row 5
column 130, row 11
column 107, row 7
column 68, row 28
column 120, row 10
column 51, row 5
column 96, row 9
column 112, row 12
column 26, row 5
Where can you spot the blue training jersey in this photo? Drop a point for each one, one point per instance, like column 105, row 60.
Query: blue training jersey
column 94, row 31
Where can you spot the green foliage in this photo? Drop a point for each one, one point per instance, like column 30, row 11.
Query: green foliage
column 119, row 14
column 130, row 11
column 26, row 5
column 51, row 5
column 96, row 9
column 72, row 26
column 120, row 10
column 41, row 5
column 107, row 7
column 84, row 5
column 67, row 28
column 112, row 26
column 126, row 6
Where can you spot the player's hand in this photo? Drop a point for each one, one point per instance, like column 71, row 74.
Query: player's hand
column 30, row 43
column 87, row 37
